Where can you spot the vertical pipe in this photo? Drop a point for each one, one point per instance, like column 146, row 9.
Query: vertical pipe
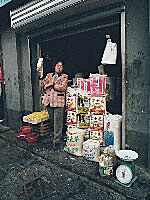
column 29, row 52
column 38, row 50
column 123, row 57
column 149, row 101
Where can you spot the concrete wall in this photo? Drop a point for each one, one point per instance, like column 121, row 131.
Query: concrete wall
column 138, row 79
column 17, row 76
column 10, row 68
column 35, row 75
column 24, row 68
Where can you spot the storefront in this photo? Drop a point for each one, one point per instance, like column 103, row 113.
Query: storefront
column 76, row 32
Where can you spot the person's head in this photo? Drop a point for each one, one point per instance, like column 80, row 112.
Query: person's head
column 59, row 67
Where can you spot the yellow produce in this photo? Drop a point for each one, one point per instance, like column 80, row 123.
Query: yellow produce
column 37, row 116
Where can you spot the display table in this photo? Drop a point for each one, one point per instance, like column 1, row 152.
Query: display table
column 42, row 128
column 39, row 121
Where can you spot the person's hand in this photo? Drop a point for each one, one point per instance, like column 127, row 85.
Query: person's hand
column 49, row 85
column 41, row 73
column 53, row 81
column 40, row 70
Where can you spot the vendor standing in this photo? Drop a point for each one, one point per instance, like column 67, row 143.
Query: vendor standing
column 55, row 86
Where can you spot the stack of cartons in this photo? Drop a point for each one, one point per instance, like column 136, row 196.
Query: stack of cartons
column 86, row 106
column 86, row 110
column 97, row 107
column 75, row 135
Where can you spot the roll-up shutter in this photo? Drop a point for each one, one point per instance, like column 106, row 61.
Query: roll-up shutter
column 44, row 12
column 4, row 2
column 38, row 9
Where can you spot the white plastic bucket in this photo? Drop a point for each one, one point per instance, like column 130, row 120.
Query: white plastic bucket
column 91, row 150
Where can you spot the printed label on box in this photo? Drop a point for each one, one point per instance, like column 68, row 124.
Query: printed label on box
column 83, row 120
column 98, row 84
column 71, row 117
column 71, row 103
column 96, row 122
column 98, row 104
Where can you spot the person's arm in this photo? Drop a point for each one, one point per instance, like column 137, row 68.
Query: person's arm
column 62, row 84
column 47, row 81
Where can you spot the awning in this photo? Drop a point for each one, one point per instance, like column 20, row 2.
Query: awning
column 36, row 10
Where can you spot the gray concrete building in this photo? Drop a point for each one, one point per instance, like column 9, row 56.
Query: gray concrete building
column 76, row 31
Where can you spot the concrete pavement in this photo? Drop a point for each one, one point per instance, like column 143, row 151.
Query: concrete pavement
column 64, row 176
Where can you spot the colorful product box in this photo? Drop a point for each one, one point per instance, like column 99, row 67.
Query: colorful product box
column 108, row 138
column 71, row 118
column 71, row 126
column 84, row 84
column 97, row 135
column 97, row 84
column 71, row 103
column 80, row 83
column 83, row 120
column 87, row 85
column 98, row 104
column 83, row 104
column 96, row 122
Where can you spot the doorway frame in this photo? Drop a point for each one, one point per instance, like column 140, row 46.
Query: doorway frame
column 123, row 61
column 112, row 12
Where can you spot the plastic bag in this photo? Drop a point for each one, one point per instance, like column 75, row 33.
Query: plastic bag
column 110, row 53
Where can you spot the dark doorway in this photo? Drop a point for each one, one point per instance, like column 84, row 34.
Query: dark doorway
column 82, row 52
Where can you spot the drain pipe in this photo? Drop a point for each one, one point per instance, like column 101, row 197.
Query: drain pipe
column 123, row 58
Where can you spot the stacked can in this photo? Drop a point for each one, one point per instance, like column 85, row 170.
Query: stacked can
column 95, row 87
column 97, row 107
column 106, row 161
column 83, row 119
column 71, row 119
column 76, row 121
column 97, row 110
column 91, row 131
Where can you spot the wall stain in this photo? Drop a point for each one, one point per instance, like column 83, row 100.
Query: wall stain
column 137, row 87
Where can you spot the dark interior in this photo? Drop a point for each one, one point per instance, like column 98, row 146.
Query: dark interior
column 82, row 52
